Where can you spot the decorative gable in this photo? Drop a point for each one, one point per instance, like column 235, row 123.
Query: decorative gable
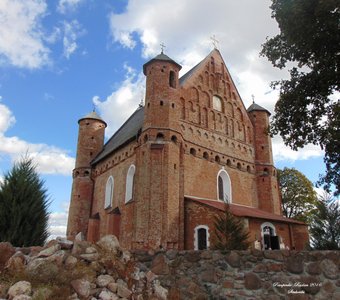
column 210, row 99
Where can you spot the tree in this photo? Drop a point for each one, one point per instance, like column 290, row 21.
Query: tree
column 308, row 110
column 230, row 232
column 23, row 206
column 298, row 196
column 325, row 228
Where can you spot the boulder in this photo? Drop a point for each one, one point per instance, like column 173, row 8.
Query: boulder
column 64, row 243
column 107, row 295
column 109, row 243
column 82, row 287
column 104, row 280
column 19, row 288
column 6, row 251
column 49, row 251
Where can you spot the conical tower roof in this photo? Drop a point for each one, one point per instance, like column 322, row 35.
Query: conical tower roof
column 256, row 107
column 93, row 116
column 160, row 57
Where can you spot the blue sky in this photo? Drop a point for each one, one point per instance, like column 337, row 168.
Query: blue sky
column 60, row 58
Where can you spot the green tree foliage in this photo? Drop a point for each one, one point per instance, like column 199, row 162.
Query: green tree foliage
column 308, row 110
column 325, row 228
column 23, row 206
column 230, row 232
column 298, row 196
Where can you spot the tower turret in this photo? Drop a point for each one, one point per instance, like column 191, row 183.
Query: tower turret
column 159, row 206
column 90, row 143
column 161, row 96
column 267, row 184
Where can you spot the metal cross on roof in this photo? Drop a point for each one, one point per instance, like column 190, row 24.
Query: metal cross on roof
column 253, row 97
column 214, row 41
column 162, row 46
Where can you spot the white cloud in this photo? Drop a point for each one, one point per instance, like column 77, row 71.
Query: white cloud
column 282, row 152
column 58, row 222
column 65, row 6
column 49, row 159
column 240, row 38
column 118, row 106
column 240, row 26
column 21, row 36
column 72, row 30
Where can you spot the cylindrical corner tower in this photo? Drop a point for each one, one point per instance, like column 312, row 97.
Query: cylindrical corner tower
column 159, row 210
column 161, row 97
column 90, row 143
column 267, row 184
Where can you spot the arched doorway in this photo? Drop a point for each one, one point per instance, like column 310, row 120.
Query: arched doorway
column 270, row 240
column 201, row 237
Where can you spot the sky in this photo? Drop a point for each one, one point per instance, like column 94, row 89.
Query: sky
column 60, row 59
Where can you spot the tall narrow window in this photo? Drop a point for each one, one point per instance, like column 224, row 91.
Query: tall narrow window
column 201, row 237
column 109, row 192
column 129, row 183
column 223, row 186
column 172, row 79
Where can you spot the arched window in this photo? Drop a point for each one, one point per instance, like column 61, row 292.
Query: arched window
column 223, row 186
column 129, row 183
column 217, row 103
column 201, row 237
column 270, row 240
column 109, row 192
column 172, row 79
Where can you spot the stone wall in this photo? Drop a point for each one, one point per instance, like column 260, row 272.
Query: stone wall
column 245, row 274
column 80, row 270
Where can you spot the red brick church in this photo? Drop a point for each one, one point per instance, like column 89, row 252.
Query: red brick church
column 160, row 179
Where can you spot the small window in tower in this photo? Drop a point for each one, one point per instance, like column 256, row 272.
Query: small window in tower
column 161, row 103
column 192, row 151
column 174, row 139
column 206, row 155
column 265, row 171
column 228, row 163
column 159, row 137
column 248, row 169
column 217, row 103
column 239, row 166
column 172, row 79
column 217, row 159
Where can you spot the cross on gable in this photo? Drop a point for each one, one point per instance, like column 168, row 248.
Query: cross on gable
column 214, row 41
column 162, row 46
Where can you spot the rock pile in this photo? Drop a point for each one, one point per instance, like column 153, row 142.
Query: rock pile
column 75, row 270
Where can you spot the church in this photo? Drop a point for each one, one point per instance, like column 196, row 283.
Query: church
column 158, row 182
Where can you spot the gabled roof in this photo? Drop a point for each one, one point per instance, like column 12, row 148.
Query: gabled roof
column 188, row 74
column 256, row 107
column 244, row 211
column 125, row 134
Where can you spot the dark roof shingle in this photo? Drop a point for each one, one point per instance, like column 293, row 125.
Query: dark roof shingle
column 126, row 133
